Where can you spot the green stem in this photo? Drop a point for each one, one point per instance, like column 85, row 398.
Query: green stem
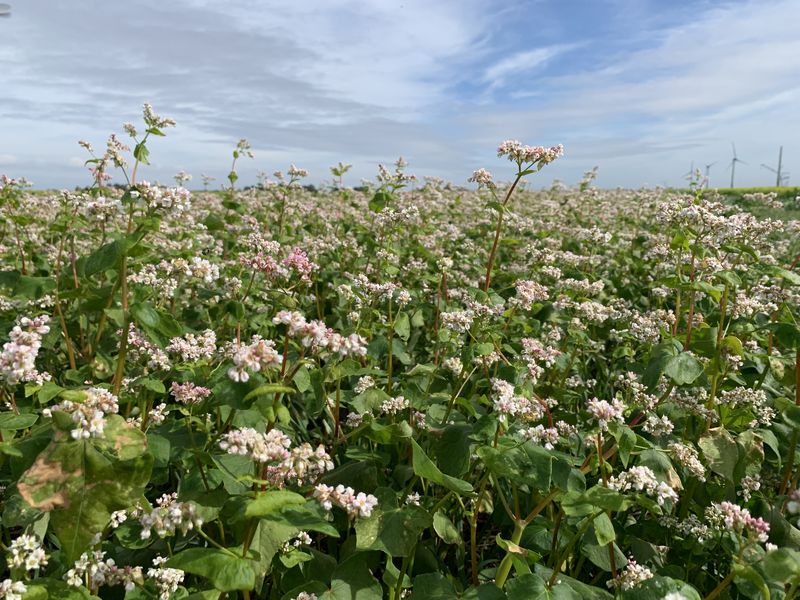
column 505, row 566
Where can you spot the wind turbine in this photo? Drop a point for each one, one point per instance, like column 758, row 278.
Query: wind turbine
column 780, row 176
column 5, row 10
column 734, row 160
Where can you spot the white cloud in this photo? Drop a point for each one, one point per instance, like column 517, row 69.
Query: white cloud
column 522, row 62
column 7, row 159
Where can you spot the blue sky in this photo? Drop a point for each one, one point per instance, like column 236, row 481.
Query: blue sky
column 639, row 88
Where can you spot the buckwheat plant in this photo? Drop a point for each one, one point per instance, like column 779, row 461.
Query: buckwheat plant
column 283, row 392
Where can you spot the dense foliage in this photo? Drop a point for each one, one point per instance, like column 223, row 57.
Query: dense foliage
column 410, row 390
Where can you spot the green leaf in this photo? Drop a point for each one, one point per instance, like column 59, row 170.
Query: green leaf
column 683, row 368
column 656, row 588
column 433, row 586
column 445, row 529
column 226, row 571
column 145, row 315
column 11, row 422
column 141, row 153
column 782, row 565
column 352, row 580
column 424, row 467
column 380, row 200
column 302, row 380
column 269, row 388
column 48, row 391
column 402, row 325
column 81, row 486
column 154, row 385
column 395, row 532
column 604, row 529
column 748, row 573
column 267, row 503
column 533, row 587
column 44, row 588
column 310, row 517
column 310, row 587
column 104, row 258
column 720, row 451
column 452, row 449
column 33, row 287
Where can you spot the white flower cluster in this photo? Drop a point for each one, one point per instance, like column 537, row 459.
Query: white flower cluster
column 642, row 479
column 750, row 484
column 755, row 400
column 363, row 384
column 140, row 347
column 689, row 458
column 306, row 596
column 9, row 589
column 353, row 420
column 537, row 357
column 193, row 347
column 658, row 426
column 305, row 463
column 258, row 356
column 529, row 292
column 99, row 570
column 272, row 446
column 27, row 552
column 168, row 516
column 392, row 406
column 508, row 404
column 544, row 436
column 633, row 575
column 458, row 321
column 356, row 505
column 301, row 539
column 605, row 412
column 19, row 353
column 481, row 177
column 793, row 505
column 454, row 365
column 516, row 152
column 299, row 464
column 89, row 415
column 167, row 580
column 318, row 336
column 176, row 199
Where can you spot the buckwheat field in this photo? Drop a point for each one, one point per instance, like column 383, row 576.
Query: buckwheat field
column 410, row 389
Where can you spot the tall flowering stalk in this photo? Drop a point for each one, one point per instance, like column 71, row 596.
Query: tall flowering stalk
column 529, row 159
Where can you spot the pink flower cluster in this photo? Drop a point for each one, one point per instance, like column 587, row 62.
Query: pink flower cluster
column 605, row 411
column 356, row 505
column 297, row 260
column 318, row 336
column 19, row 353
column 529, row 292
column 258, row 356
column 732, row 516
column 189, row 393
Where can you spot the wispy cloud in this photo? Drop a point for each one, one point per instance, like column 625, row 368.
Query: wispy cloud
column 522, row 62
column 630, row 85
